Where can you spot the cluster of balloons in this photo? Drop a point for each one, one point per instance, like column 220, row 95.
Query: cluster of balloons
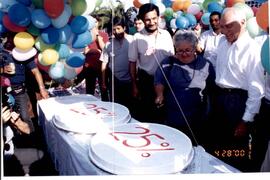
column 54, row 31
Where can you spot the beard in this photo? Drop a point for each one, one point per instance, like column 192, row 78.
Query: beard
column 119, row 36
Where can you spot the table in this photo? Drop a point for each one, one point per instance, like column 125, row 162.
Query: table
column 69, row 151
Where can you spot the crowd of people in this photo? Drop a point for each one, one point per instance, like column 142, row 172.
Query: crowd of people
column 210, row 85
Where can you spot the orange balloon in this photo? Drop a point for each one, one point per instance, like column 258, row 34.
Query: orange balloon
column 262, row 16
column 230, row 3
column 181, row 5
column 137, row 4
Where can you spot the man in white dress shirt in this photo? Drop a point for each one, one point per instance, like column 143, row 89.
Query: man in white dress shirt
column 149, row 47
column 240, row 81
column 209, row 40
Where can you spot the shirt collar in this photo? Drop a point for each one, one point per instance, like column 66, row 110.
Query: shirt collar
column 241, row 41
column 143, row 31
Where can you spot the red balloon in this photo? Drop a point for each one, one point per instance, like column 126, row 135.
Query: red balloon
column 11, row 26
column 198, row 16
column 54, row 8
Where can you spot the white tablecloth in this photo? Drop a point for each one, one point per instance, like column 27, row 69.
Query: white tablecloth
column 69, row 151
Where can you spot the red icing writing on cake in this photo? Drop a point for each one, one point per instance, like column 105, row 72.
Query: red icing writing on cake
column 146, row 136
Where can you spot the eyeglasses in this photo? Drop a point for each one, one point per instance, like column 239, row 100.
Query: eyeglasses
column 187, row 51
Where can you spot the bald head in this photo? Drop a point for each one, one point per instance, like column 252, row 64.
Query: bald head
column 232, row 23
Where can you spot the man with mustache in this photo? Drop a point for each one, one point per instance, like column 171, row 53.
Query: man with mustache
column 149, row 47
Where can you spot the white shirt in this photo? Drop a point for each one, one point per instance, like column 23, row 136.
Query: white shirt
column 209, row 41
column 8, row 133
column 238, row 65
column 149, row 50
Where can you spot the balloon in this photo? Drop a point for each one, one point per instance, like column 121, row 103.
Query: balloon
column 182, row 22
column 40, row 19
column 199, row 15
column 2, row 28
column 49, row 56
column 79, row 24
column 244, row 8
column 38, row 61
column 53, row 8
column 194, row 9
column 23, row 40
column 144, row 1
column 82, row 40
column 63, row 19
column 167, row 3
column 69, row 72
column 230, row 3
column 168, row 13
column 253, row 28
column 181, row 5
column 33, row 30
column 41, row 45
column 63, row 51
column 76, row 59
column 91, row 21
column 50, row 35
column 262, row 16
column 23, row 55
column 78, row 7
column 90, row 6
column 265, row 59
column 25, row 2
column 191, row 18
column 172, row 24
column 56, row 70
column 161, row 8
column 19, row 15
column 6, row 4
column 137, row 4
column 11, row 26
column 64, row 34
column 1, row 16
column 205, row 18
column 214, row 6
column 38, row 3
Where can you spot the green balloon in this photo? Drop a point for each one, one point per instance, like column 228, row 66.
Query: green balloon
column 98, row 3
column 206, row 2
column 38, row 3
column 78, row 7
column 168, row 13
column 33, row 30
column 41, row 45
column 245, row 8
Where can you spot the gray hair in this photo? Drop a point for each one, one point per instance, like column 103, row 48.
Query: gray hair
column 185, row 35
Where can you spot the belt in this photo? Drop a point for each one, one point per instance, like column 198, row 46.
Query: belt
column 232, row 90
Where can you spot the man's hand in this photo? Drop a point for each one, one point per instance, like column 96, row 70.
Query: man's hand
column 6, row 114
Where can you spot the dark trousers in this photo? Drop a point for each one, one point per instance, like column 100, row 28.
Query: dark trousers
column 228, row 107
column 261, row 135
column 147, row 110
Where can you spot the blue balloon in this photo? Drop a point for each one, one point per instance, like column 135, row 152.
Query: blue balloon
column 6, row 4
column 2, row 28
column 79, row 24
column 50, row 35
column 40, row 19
column 64, row 34
column 182, row 22
column 214, row 6
column 191, row 18
column 76, row 59
column 265, row 58
column 81, row 40
column 206, row 18
column 19, row 15
column 25, row 2
column 70, row 73
column 1, row 16
column 56, row 70
column 63, row 51
column 63, row 19
column 91, row 21
column 167, row 3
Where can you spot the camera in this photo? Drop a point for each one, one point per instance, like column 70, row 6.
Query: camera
column 9, row 101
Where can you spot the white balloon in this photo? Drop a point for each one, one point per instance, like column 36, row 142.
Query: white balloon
column 172, row 24
column 91, row 4
column 161, row 8
column 144, row 1
column 23, row 55
column 194, row 9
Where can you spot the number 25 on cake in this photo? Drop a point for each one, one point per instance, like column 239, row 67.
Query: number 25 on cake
column 90, row 116
column 141, row 148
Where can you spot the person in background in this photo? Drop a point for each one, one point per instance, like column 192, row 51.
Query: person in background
column 114, row 59
column 180, row 85
column 209, row 40
column 149, row 47
column 92, row 68
column 18, row 79
column 240, row 81
column 138, row 24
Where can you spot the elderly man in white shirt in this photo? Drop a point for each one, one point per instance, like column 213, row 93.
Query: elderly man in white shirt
column 209, row 40
column 149, row 47
column 240, row 81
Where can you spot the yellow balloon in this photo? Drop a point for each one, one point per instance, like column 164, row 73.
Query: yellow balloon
column 24, row 41
column 49, row 56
